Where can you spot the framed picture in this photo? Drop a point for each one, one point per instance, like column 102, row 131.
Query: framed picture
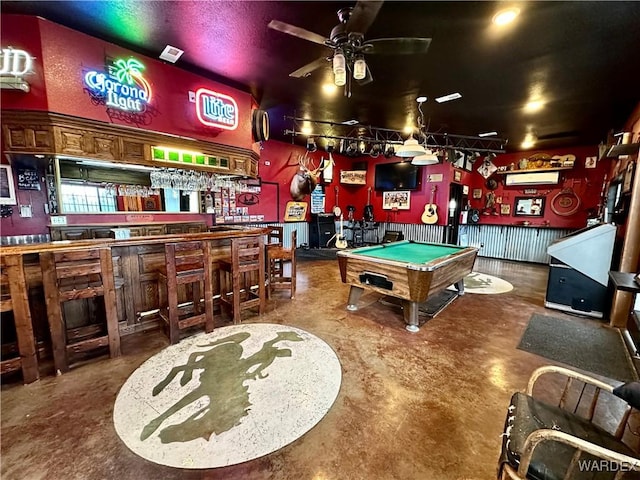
column 529, row 206
column 295, row 212
column 457, row 175
column 399, row 200
column 505, row 209
column 590, row 162
column 7, row 188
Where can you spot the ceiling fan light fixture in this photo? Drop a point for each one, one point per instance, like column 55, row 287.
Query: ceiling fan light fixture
column 410, row 148
column 359, row 68
column 339, row 63
column 427, row 158
column 340, row 78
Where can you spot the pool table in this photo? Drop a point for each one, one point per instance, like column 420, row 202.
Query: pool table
column 410, row 271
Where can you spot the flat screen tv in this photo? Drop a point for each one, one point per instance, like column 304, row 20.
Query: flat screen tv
column 397, row 176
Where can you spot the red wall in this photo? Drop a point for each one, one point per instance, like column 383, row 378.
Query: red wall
column 587, row 183
column 279, row 163
column 23, row 33
column 63, row 55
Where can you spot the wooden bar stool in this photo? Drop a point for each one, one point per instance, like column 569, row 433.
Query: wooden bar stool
column 275, row 237
column 13, row 291
column 239, row 273
column 276, row 256
column 187, row 270
column 72, row 275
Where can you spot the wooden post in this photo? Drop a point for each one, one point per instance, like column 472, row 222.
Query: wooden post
column 630, row 255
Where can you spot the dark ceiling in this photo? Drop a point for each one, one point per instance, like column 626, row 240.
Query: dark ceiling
column 580, row 58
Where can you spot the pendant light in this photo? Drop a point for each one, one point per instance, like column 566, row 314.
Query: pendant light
column 427, row 158
column 410, row 148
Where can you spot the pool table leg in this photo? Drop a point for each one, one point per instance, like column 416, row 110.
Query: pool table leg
column 354, row 296
column 410, row 313
column 460, row 287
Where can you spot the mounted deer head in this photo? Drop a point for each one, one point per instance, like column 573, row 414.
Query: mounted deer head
column 305, row 179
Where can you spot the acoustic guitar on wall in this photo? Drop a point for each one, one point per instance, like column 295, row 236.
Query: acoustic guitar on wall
column 430, row 214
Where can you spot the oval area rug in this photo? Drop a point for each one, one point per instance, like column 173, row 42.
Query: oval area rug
column 226, row 397
column 484, row 284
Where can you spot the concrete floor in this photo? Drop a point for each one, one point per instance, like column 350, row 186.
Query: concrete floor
column 429, row 405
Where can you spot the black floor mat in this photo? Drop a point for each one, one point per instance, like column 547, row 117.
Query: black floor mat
column 587, row 346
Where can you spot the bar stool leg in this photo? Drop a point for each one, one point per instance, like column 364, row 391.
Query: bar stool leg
column 54, row 312
column 236, row 297
column 22, row 318
column 109, row 297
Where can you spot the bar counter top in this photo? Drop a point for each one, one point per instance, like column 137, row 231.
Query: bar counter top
column 215, row 233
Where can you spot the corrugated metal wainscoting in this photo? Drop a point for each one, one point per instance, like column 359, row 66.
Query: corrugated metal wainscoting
column 301, row 227
column 528, row 244
column 412, row 231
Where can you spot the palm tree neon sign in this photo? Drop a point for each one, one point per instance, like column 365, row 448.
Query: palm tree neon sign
column 123, row 87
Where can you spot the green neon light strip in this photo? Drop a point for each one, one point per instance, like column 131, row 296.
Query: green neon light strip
column 164, row 154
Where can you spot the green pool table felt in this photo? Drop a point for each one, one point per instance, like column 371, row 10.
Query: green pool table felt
column 405, row 251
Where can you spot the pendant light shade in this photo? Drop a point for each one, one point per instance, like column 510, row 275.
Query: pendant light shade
column 410, row 148
column 427, row 158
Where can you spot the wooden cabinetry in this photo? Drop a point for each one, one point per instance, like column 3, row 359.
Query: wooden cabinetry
column 28, row 138
column 105, row 231
column 72, row 233
column 55, row 134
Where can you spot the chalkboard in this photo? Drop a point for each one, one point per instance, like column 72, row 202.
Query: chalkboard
column 28, row 179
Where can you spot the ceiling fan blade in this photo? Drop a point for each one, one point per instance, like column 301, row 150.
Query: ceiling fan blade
column 367, row 79
column 297, row 32
column 309, row 67
column 363, row 15
column 397, row 46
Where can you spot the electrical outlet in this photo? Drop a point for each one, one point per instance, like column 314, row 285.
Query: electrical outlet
column 59, row 220
column 26, row 211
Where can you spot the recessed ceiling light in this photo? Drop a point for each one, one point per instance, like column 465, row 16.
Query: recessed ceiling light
column 505, row 16
column 529, row 140
column 448, row 98
column 421, row 99
column 487, row 134
column 329, row 88
column 171, row 54
column 534, row 106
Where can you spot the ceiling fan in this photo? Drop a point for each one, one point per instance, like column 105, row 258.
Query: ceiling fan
column 349, row 45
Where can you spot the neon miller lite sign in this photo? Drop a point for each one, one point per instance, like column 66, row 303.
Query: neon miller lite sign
column 216, row 110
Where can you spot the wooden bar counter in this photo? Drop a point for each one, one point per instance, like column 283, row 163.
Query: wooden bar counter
column 136, row 262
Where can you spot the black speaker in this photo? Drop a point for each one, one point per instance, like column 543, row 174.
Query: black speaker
column 321, row 229
column 392, row 236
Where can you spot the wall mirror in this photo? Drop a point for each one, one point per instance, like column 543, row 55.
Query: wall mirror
column 94, row 186
column 529, row 206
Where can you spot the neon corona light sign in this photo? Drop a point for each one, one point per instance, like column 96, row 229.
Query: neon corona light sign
column 15, row 62
column 216, row 110
column 122, row 87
